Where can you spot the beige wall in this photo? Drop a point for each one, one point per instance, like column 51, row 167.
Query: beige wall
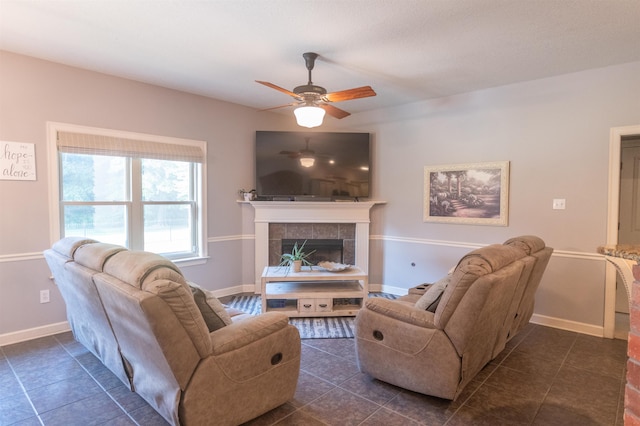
column 555, row 133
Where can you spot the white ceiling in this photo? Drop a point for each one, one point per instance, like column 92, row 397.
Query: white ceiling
column 407, row 50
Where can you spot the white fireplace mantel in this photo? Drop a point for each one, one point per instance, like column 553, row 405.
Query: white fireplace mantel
column 267, row 212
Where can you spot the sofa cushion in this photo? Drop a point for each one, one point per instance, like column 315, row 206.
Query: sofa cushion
column 214, row 313
column 528, row 243
column 95, row 255
column 475, row 264
column 68, row 246
column 429, row 300
column 136, row 267
column 155, row 274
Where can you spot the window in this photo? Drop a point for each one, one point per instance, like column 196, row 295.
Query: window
column 139, row 191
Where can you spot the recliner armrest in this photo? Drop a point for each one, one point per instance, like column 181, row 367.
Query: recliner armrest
column 246, row 331
column 420, row 289
column 401, row 311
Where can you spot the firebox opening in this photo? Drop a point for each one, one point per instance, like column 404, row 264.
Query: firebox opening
column 325, row 249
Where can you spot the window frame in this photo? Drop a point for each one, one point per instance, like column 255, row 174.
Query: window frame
column 199, row 181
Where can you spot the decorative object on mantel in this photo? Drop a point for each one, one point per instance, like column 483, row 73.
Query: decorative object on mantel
column 247, row 195
column 333, row 266
column 475, row 194
column 313, row 101
column 296, row 258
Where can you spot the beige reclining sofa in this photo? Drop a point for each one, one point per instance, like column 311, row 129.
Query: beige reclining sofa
column 172, row 342
column 438, row 337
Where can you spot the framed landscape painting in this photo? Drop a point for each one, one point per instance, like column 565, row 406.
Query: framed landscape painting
column 476, row 193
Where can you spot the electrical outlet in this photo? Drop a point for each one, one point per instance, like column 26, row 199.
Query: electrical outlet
column 559, row 203
column 44, row 296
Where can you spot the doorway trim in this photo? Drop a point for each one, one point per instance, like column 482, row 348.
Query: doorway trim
column 615, row 144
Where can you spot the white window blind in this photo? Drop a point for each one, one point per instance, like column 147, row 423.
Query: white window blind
column 82, row 143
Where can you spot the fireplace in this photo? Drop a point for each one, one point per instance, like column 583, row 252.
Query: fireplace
column 277, row 220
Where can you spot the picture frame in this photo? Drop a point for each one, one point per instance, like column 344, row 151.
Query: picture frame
column 473, row 193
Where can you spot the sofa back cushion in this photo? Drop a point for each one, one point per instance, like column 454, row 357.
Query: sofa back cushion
column 134, row 267
column 475, row 264
column 152, row 273
column 62, row 252
column 68, row 246
column 95, row 255
column 527, row 243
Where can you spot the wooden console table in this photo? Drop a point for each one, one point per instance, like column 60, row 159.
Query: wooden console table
column 313, row 292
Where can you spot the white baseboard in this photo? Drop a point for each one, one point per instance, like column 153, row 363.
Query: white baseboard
column 562, row 324
column 242, row 288
column 33, row 333
column 398, row 291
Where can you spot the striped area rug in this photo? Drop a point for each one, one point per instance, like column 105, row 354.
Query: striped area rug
column 310, row 328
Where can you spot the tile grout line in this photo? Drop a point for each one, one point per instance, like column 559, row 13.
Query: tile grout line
column 97, row 382
column 564, row 359
column 22, row 388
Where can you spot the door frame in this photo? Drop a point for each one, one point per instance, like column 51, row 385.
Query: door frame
column 613, row 210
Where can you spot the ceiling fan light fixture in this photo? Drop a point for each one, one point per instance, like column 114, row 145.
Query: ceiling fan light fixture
column 309, row 116
column 307, row 161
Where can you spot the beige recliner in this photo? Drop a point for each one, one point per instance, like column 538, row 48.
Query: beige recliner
column 189, row 358
column 438, row 353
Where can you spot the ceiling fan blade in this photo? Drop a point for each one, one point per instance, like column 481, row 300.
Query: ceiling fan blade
column 280, row 89
column 291, row 154
column 279, row 106
column 333, row 111
column 346, row 95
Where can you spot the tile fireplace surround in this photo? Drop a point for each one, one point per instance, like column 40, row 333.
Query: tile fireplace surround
column 301, row 212
column 334, row 242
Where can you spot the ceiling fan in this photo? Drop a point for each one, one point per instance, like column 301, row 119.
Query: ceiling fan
column 313, row 101
column 306, row 156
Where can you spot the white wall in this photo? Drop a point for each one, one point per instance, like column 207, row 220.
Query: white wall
column 555, row 133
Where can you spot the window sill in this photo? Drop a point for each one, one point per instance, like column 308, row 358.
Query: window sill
column 191, row 261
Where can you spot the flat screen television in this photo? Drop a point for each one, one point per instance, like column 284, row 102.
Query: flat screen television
column 320, row 166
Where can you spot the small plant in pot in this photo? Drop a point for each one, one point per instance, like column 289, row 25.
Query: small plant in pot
column 247, row 195
column 297, row 257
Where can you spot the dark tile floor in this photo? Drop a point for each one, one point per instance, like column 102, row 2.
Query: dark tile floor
column 545, row 377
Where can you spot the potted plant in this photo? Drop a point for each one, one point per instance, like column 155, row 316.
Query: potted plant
column 297, row 257
column 247, row 195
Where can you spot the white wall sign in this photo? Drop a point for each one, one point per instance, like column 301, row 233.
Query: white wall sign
column 17, row 161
